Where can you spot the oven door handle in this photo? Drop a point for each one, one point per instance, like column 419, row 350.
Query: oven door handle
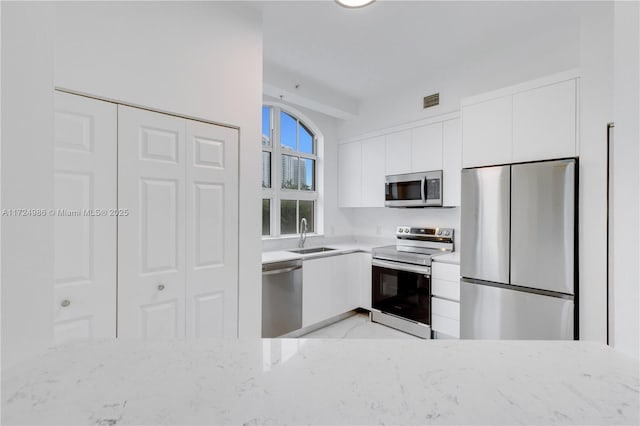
column 425, row 270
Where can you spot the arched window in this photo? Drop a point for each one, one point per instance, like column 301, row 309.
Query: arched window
column 289, row 173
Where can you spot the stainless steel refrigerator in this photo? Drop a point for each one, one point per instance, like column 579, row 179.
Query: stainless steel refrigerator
column 519, row 250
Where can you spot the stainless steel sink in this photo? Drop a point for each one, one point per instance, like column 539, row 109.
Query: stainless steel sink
column 311, row 250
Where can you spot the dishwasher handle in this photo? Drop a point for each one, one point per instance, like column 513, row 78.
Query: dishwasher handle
column 281, row 271
column 281, row 267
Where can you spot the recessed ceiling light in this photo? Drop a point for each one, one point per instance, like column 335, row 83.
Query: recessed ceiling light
column 354, row 3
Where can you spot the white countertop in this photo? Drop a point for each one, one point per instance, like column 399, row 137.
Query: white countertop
column 318, row 381
column 341, row 248
column 453, row 258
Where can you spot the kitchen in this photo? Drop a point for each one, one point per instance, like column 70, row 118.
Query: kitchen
column 213, row 90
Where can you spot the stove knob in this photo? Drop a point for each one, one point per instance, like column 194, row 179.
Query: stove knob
column 446, row 233
column 439, row 232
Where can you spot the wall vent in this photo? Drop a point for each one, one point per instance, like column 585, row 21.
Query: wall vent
column 431, row 100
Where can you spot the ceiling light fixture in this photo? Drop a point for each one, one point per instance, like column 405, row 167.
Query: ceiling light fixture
column 353, row 4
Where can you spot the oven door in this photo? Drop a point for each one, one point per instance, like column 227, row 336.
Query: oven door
column 402, row 290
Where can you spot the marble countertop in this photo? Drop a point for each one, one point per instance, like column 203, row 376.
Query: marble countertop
column 453, row 258
column 322, row 381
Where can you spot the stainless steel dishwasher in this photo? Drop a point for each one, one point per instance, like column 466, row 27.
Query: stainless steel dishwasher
column 281, row 297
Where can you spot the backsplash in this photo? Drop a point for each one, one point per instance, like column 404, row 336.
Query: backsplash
column 382, row 222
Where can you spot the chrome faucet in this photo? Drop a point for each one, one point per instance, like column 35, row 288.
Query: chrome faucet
column 303, row 232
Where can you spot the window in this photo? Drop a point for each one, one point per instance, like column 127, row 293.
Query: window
column 289, row 163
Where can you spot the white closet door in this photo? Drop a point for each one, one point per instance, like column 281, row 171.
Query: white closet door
column 85, row 245
column 151, row 239
column 212, row 230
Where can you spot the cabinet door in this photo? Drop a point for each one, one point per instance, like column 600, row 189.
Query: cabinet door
column 452, row 162
column 316, row 290
column 398, row 153
column 329, row 287
column 85, row 141
column 445, row 281
column 151, row 239
column 211, row 230
column 373, row 163
column 346, row 283
column 486, row 132
column 426, row 148
column 544, row 122
column 350, row 174
column 364, row 281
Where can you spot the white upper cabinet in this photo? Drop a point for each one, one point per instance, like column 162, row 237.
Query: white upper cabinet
column 364, row 164
column 486, row 131
column 398, row 155
column 532, row 121
column 350, row 174
column 373, row 166
column 452, row 161
column 426, row 148
column 544, row 122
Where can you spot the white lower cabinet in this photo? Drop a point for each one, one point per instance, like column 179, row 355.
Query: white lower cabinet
column 331, row 286
column 364, row 279
column 445, row 298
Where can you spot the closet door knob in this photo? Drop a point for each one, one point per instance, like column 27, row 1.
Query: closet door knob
column 161, row 286
column 65, row 303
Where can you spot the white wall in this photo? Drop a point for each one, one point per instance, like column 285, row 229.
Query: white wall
column 335, row 221
column 27, row 170
column 596, row 110
column 382, row 222
column 626, row 179
column 197, row 59
column 550, row 53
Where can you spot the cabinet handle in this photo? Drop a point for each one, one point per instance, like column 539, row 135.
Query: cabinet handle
column 161, row 286
column 65, row 303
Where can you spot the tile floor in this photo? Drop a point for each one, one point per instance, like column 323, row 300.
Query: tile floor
column 357, row 327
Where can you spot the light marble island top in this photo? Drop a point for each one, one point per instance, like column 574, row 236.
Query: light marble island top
column 322, row 381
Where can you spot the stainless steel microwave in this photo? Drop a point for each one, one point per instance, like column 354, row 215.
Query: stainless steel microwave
column 422, row 189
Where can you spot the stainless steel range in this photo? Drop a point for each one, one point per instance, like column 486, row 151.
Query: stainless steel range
column 401, row 278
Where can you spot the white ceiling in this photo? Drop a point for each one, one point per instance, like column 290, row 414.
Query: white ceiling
column 360, row 52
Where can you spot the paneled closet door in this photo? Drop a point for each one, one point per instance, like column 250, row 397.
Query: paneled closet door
column 212, row 230
column 85, row 141
column 151, row 239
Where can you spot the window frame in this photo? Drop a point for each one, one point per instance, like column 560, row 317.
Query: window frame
column 276, row 193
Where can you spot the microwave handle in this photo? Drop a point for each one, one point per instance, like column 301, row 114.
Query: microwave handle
column 422, row 190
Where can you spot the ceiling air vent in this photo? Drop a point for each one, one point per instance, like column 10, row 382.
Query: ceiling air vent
column 431, row 100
